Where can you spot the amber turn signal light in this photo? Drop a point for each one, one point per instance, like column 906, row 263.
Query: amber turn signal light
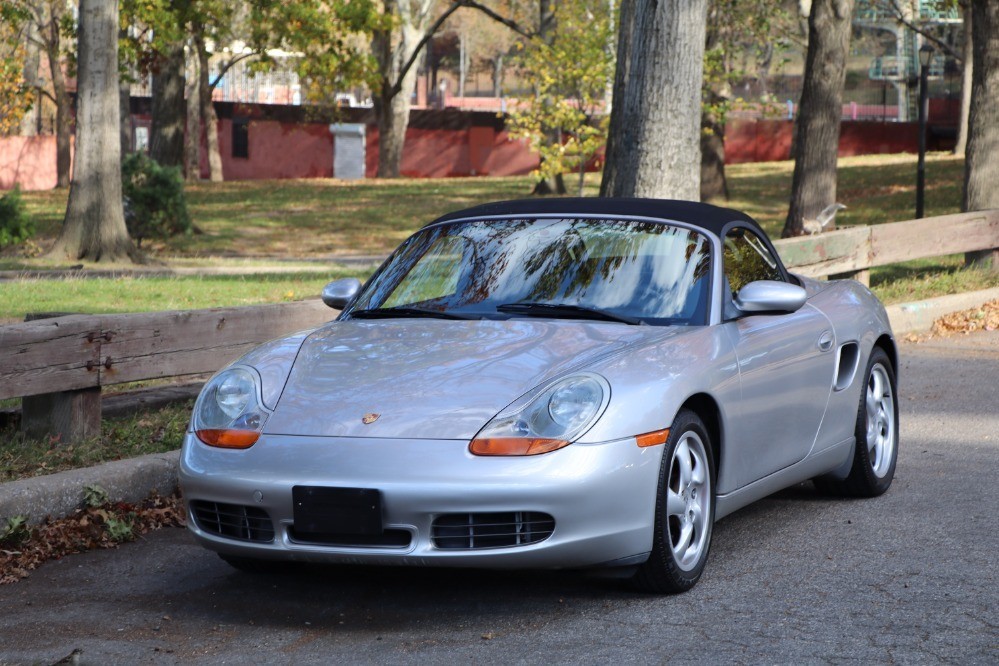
column 652, row 438
column 515, row 446
column 228, row 439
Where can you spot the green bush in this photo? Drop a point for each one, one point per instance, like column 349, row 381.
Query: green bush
column 155, row 205
column 15, row 224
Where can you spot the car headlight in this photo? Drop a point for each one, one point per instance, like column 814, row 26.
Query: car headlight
column 229, row 412
column 549, row 420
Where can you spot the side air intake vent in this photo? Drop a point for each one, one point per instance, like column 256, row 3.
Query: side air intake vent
column 846, row 368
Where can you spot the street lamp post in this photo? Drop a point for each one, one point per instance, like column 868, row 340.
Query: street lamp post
column 925, row 55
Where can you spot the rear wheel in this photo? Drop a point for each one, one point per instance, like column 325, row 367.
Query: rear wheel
column 876, row 431
column 685, row 510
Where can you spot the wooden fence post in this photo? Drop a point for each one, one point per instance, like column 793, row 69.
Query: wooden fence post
column 983, row 259
column 67, row 416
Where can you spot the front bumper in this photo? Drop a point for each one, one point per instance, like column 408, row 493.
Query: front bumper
column 601, row 496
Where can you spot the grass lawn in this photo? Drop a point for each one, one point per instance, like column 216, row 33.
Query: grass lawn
column 146, row 294
column 149, row 431
column 302, row 219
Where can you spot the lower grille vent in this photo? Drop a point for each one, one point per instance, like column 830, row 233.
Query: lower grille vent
column 387, row 539
column 245, row 523
column 472, row 531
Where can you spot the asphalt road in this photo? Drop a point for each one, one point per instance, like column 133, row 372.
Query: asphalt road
column 911, row 577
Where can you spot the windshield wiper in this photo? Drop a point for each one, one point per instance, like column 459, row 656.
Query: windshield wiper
column 405, row 311
column 565, row 311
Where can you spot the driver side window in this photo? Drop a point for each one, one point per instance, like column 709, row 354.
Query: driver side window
column 747, row 259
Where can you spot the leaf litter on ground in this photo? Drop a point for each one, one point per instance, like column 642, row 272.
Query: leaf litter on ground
column 24, row 548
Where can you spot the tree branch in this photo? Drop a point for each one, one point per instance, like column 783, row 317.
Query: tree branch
column 510, row 23
column 940, row 44
column 427, row 36
column 229, row 65
column 432, row 30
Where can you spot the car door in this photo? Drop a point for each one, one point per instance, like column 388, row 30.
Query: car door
column 786, row 364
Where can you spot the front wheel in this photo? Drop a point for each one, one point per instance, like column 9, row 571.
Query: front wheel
column 685, row 510
column 876, row 431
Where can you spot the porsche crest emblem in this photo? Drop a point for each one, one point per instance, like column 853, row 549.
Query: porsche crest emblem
column 369, row 418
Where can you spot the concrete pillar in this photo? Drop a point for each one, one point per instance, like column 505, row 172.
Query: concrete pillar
column 348, row 150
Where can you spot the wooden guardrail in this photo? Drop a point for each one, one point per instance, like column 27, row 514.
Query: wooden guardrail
column 852, row 251
column 59, row 365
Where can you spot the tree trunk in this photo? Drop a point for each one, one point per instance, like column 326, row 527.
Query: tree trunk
column 392, row 102
column 714, row 185
column 192, row 138
column 392, row 115
column 813, row 185
column 166, row 140
column 966, row 70
column 655, row 126
column 208, row 118
column 94, row 227
column 32, row 63
column 546, row 31
column 125, row 117
column 713, row 182
column 498, row 76
column 64, row 129
column 613, row 152
column 981, row 163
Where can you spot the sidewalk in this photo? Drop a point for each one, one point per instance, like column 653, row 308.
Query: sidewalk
column 272, row 266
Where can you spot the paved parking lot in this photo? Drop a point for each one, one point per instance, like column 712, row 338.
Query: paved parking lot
column 911, row 577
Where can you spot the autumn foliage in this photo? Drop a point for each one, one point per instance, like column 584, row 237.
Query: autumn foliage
column 105, row 525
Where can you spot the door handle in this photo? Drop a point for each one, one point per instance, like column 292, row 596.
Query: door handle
column 826, row 341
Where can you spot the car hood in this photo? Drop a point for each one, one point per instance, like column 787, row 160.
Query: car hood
column 429, row 378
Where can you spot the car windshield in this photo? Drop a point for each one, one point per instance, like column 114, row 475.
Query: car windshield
column 627, row 271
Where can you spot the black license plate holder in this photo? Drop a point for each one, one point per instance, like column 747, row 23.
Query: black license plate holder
column 322, row 510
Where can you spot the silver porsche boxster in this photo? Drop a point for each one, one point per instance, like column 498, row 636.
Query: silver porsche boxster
column 585, row 383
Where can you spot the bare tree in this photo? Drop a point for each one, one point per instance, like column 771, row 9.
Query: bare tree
column 981, row 165
column 654, row 141
column 396, row 48
column 813, row 186
column 48, row 33
column 94, row 227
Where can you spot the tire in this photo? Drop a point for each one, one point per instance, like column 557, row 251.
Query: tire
column 253, row 566
column 685, row 510
column 876, row 450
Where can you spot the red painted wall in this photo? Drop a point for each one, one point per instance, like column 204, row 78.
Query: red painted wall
column 276, row 150
column 29, row 161
column 443, row 153
column 770, row 140
column 285, row 143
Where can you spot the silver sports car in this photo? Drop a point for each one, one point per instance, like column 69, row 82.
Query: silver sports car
column 546, row 384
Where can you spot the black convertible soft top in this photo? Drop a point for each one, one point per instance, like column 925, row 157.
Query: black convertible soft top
column 711, row 218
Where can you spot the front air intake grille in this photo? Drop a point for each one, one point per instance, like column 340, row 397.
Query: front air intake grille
column 387, row 539
column 244, row 523
column 472, row 531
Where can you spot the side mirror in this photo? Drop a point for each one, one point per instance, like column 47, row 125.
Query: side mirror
column 339, row 293
column 770, row 296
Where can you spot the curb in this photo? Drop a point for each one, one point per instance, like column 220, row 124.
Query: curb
column 918, row 317
column 60, row 494
column 132, row 480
